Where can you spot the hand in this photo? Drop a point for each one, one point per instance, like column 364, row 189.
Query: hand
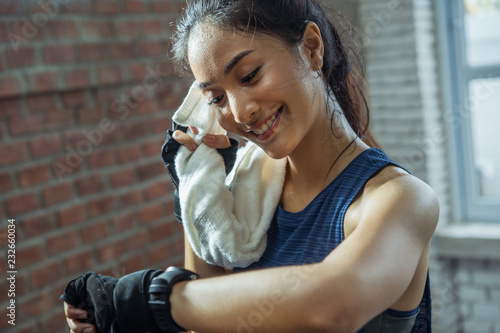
column 226, row 147
column 213, row 141
column 73, row 317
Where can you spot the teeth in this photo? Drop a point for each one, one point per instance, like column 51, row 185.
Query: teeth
column 265, row 127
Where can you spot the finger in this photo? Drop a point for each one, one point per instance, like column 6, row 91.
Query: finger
column 74, row 312
column 185, row 139
column 216, row 141
column 79, row 327
column 194, row 130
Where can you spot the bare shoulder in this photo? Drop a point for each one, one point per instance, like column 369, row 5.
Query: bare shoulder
column 407, row 199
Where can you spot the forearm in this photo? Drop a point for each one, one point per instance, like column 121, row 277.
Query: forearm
column 283, row 299
column 197, row 265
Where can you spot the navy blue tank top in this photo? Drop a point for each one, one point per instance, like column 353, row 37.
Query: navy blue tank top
column 310, row 235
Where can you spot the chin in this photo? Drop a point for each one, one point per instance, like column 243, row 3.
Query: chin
column 274, row 154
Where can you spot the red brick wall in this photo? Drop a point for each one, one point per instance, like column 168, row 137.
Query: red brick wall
column 86, row 94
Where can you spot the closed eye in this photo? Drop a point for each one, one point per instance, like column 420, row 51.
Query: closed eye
column 246, row 79
column 250, row 76
column 216, row 100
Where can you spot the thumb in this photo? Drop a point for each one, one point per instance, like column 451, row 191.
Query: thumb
column 216, row 141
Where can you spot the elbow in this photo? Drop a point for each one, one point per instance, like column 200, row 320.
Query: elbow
column 335, row 306
column 339, row 321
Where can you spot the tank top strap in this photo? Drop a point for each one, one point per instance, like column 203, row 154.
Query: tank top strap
column 354, row 177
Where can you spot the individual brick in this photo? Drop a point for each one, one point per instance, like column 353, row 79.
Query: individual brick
column 130, row 198
column 161, row 231
column 100, row 206
column 94, row 232
column 128, row 28
column 77, row 79
column 34, row 175
column 161, row 125
column 151, row 48
column 58, row 54
column 41, row 102
column 158, row 254
column 107, row 7
column 110, row 75
column 135, row 6
column 29, row 255
column 10, row 86
column 62, row 28
column 58, row 193
column 10, row 107
column 122, row 177
column 156, row 190
column 161, row 6
column 123, row 50
column 92, row 51
column 152, row 26
column 25, row 125
column 151, row 170
column 72, row 215
column 45, row 145
column 5, row 182
column 151, row 213
column 39, row 225
column 137, row 241
column 136, row 129
column 132, row 264
column 129, row 153
column 89, row 185
column 74, row 98
column 46, row 274
column 110, row 251
column 79, row 262
column 101, row 159
column 22, row 57
column 44, row 82
column 13, row 152
column 96, row 29
column 62, row 243
column 124, row 222
column 21, row 204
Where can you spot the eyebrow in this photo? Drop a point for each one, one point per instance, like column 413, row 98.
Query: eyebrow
column 229, row 67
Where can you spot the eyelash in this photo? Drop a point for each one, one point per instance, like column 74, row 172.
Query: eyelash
column 250, row 76
column 246, row 79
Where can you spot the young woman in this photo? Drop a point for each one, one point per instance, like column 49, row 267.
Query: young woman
column 348, row 249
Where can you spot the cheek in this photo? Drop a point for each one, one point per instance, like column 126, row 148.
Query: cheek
column 226, row 120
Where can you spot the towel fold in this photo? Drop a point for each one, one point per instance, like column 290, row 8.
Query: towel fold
column 225, row 218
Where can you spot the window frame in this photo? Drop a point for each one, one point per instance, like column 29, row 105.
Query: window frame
column 456, row 74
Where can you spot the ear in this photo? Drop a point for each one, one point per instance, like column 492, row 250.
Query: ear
column 312, row 45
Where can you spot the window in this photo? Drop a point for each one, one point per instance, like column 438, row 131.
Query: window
column 470, row 44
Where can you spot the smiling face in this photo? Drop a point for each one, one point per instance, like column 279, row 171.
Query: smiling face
column 262, row 89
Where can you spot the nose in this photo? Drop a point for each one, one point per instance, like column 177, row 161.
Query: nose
column 243, row 107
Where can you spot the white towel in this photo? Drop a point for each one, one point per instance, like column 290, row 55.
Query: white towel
column 225, row 218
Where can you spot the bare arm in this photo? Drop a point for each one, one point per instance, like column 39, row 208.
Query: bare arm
column 196, row 264
column 364, row 276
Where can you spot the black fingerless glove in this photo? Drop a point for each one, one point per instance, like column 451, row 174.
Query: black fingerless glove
column 124, row 305
column 94, row 293
column 168, row 152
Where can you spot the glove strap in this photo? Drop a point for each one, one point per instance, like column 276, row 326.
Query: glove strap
column 159, row 296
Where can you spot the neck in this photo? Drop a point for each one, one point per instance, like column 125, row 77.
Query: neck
column 323, row 154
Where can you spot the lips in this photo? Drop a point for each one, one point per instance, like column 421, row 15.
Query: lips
column 264, row 131
column 265, row 126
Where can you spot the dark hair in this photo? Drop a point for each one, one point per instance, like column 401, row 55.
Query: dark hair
column 285, row 20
